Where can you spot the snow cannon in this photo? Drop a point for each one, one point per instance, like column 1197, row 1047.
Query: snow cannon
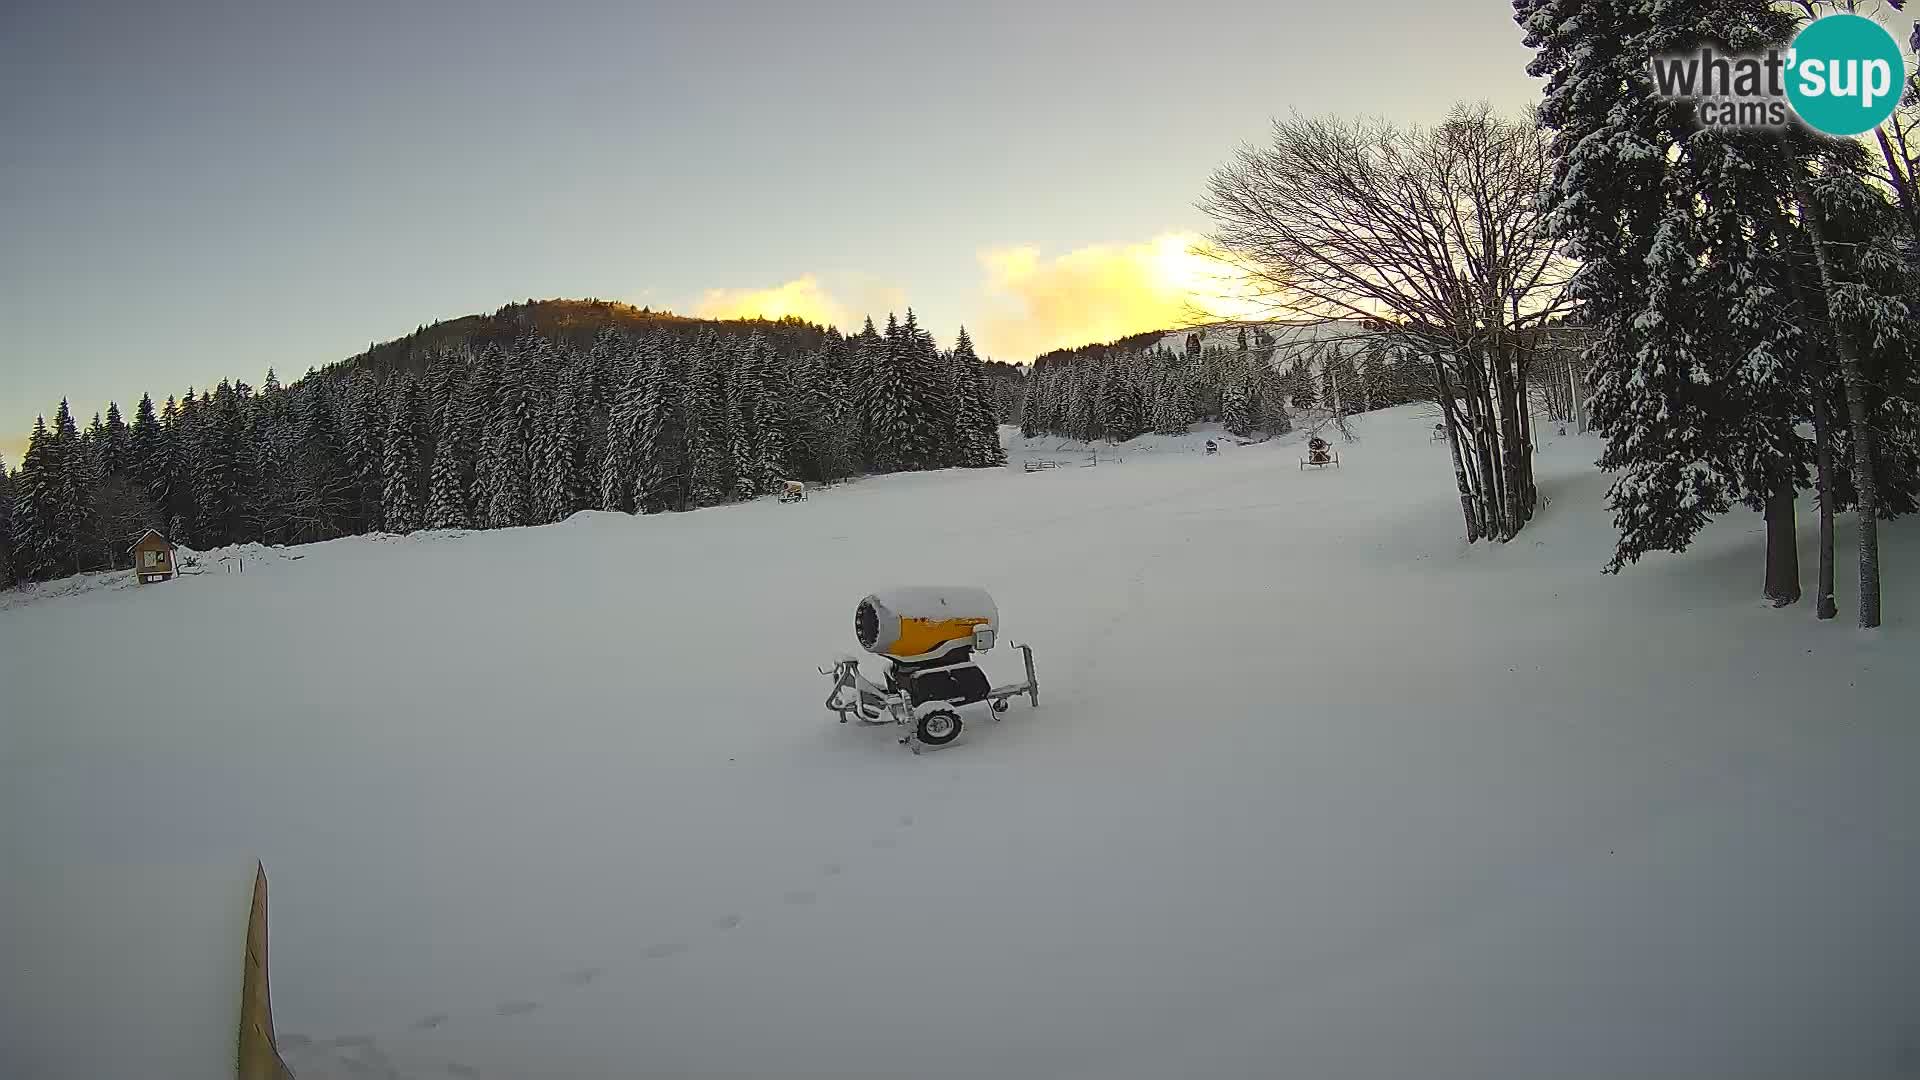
column 926, row 636
column 924, row 623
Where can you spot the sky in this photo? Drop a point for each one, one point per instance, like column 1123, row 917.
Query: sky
column 194, row 190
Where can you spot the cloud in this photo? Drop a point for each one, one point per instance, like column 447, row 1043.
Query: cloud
column 1099, row 293
column 803, row 297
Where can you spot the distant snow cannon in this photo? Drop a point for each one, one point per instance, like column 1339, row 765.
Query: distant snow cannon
column 928, row 636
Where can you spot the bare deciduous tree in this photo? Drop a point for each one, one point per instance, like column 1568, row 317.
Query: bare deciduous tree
column 1430, row 235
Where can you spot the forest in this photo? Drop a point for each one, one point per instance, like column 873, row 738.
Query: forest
column 521, row 418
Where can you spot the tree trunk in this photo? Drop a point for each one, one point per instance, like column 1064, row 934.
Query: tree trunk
column 1453, row 446
column 1480, row 411
column 1529, row 493
column 1855, row 380
column 1823, row 605
column 1783, row 547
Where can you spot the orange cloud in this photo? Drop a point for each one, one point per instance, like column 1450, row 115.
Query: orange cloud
column 1102, row 292
column 803, row 297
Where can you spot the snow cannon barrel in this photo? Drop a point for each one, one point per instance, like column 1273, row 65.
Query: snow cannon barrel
column 924, row 622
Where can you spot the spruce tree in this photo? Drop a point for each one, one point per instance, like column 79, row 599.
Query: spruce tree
column 7, row 571
column 619, row 466
column 556, row 452
column 73, row 479
column 220, row 483
column 1682, row 235
column 447, row 488
column 886, row 402
column 709, row 439
column 660, row 431
column 400, row 500
column 504, row 500
column 116, row 443
column 363, row 427
column 43, row 540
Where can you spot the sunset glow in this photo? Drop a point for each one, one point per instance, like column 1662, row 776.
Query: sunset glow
column 1102, row 292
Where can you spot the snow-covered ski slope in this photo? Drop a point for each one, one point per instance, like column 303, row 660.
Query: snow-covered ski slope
column 1313, row 790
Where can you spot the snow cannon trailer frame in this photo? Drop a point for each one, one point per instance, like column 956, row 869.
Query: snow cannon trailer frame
column 928, row 638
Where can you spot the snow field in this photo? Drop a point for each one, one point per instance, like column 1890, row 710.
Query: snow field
column 1314, row 789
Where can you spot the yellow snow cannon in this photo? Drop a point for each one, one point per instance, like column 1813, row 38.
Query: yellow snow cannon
column 924, row 623
column 928, row 636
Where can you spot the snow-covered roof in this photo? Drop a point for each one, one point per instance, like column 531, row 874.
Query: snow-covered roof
column 143, row 539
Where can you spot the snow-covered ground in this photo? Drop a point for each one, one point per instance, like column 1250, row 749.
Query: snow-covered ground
column 1314, row 789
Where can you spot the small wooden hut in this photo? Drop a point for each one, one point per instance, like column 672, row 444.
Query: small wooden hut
column 152, row 557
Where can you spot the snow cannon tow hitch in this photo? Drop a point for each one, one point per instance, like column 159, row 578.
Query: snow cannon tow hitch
column 927, row 636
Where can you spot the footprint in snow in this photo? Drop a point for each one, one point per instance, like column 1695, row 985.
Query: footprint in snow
column 832, row 869
column 906, row 821
column 351, row 1041
column 884, row 841
column 516, row 1008
column 726, row 922
column 458, row 1069
column 799, row 896
column 427, row 1022
column 583, row 976
column 661, row 952
column 292, row 1040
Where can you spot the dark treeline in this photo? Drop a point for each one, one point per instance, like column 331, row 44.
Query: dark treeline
column 1247, row 385
column 490, row 431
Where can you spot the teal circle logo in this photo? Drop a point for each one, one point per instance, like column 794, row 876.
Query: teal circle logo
column 1845, row 74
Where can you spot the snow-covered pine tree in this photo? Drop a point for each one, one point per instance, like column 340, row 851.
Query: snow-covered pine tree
column 662, row 434
column 447, row 506
column 556, row 452
column 864, row 352
column 592, row 406
column 43, row 542
column 978, row 434
column 401, row 504
column 1034, row 404
column 75, row 482
column 619, row 465
column 363, row 427
column 708, row 438
column 8, row 574
column 322, row 482
column 220, row 483
column 505, row 500
column 1236, row 412
column 743, row 419
column 114, row 444
column 886, row 399
column 921, row 378
column 1270, row 415
column 1681, row 236
column 144, row 457
column 475, row 416
column 773, row 412
column 1170, row 415
column 440, row 388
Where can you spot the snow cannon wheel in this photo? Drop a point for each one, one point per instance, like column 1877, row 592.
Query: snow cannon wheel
column 1000, row 705
column 937, row 727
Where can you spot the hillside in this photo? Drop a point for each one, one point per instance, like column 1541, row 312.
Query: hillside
column 1313, row 788
column 564, row 322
